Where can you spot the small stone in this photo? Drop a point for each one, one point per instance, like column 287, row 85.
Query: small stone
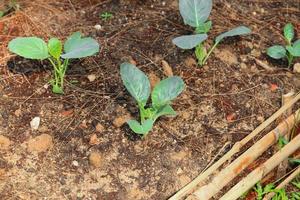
column 98, row 27
column 167, row 68
column 153, row 79
column 35, row 123
column 75, row 163
column 92, row 77
column 99, row 128
column 261, row 119
column 119, row 121
column 40, row 143
column 18, row 112
column 243, row 66
column 94, row 140
column 4, row 143
column 296, row 68
column 95, row 159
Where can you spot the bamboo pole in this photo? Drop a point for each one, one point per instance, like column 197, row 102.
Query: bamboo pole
column 284, row 183
column 256, row 175
column 189, row 188
column 230, row 172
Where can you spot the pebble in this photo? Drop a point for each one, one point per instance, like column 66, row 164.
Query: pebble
column 98, row 27
column 296, row 68
column 95, row 159
column 75, row 163
column 35, row 123
column 92, row 77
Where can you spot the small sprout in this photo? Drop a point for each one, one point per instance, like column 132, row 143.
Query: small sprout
column 58, row 55
column 291, row 50
column 138, row 85
column 106, row 16
column 195, row 13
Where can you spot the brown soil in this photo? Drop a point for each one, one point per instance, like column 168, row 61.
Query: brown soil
column 223, row 101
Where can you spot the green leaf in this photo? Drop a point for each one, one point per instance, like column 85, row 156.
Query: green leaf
column 288, row 32
column 276, row 52
column 55, row 47
column 200, row 53
column 204, row 27
column 189, row 41
column 195, row 12
column 1, row 13
column 166, row 90
column 296, row 184
column 29, row 47
column 57, row 90
column 282, row 142
column 141, row 129
column 165, row 110
column 295, row 49
column 240, row 30
column 136, row 82
column 77, row 47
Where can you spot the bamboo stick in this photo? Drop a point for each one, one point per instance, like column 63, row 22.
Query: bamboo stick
column 189, row 188
column 230, row 172
column 256, row 175
column 284, row 183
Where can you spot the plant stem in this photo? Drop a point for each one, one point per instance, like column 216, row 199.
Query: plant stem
column 210, row 51
column 290, row 58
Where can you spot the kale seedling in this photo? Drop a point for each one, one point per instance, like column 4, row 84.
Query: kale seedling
column 106, row 16
column 291, row 50
column 138, row 85
column 36, row 48
column 195, row 13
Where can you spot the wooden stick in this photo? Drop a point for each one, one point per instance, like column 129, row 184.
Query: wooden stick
column 230, row 172
column 189, row 188
column 256, row 175
column 284, row 183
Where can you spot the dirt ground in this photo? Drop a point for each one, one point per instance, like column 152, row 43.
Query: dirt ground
column 82, row 148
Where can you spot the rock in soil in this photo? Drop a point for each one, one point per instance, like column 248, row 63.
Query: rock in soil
column 35, row 123
column 95, row 159
column 40, row 143
column 4, row 143
column 120, row 121
column 297, row 68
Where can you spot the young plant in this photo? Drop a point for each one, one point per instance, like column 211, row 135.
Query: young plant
column 291, row 50
column 195, row 13
column 58, row 55
column 106, row 16
column 138, row 85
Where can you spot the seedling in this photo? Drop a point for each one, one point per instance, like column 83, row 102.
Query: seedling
column 36, row 48
column 138, row 85
column 291, row 50
column 106, row 16
column 195, row 13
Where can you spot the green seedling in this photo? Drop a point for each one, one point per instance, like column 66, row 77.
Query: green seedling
column 58, row 55
column 106, row 16
column 195, row 13
column 138, row 85
column 291, row 50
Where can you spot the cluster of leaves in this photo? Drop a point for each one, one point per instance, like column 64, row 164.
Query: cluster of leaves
column 195, row 13
column 138, row 85
column 106, row 16
column 280, row 194
column 55, row 52
column 291, row 50
column 12, row 6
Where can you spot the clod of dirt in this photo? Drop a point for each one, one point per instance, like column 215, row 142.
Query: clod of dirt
column 167, row 68
column 35, row 123
column 99, row 128
column 227, row 56
column 296, row 68
column 190, row 62
column 94, row 140
column 95, row 159
column 18, row 112
column 153, row 79
column 4, row 143
column 92, row 77
column 120, row 121
column 40, row 143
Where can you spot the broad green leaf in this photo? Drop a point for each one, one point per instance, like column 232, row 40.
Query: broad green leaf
column 55, row 47
column 141, row 129
column 295, row 49
column 288, row 32
column 195, row 12
column 276, row 52
column 240, row 30
column 166, row 90
column 136, row 82
column 29, row 47
column 165, row 110
column 204, row 27
column 77, row 47
column 189, row 41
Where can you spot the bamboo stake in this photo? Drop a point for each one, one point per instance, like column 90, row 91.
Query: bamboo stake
column 189, row 188
column 230, row 172
column 284, row 183
column 256, row 175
